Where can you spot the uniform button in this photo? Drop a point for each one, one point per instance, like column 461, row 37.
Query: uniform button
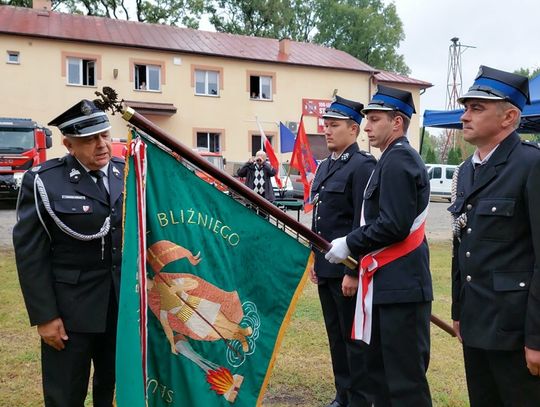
column 112, row 210
column 114, row 267
column 320, row 202
column 522, row 284
column 468, row 254
column 114, row 249
column 468, row 278
column 318, row 217
column 318, row 233
column 494, row 209
column 469, row 230
column 113, row 228
column 469, row 207
column 322, row 187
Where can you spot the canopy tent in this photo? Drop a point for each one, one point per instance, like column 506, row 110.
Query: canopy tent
column 530, row 118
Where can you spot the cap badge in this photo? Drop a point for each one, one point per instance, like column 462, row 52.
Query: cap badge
column 86, row 108
column 85, row 208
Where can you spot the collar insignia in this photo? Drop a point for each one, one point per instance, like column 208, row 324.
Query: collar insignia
column 345, row 157
column 36, row 169
column 74, row 173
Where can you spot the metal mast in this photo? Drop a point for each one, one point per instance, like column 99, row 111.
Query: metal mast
column 453, row 88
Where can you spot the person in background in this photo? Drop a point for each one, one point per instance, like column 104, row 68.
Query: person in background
column 258, row 172
column 67, row 243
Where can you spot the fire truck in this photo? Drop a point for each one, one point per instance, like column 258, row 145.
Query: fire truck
column 23, row 145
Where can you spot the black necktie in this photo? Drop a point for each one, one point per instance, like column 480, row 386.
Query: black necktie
column 98, row 174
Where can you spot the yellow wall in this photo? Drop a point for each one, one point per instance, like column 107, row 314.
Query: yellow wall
column 36, row 89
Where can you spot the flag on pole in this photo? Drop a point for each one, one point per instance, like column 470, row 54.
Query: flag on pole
column 218, row 301
column 270, row 153
column 286, row 138
column 302, row 159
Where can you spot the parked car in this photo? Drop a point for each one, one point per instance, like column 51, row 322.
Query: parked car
column 440, row 180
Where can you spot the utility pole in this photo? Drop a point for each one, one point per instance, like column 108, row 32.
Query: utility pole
column 453, row 89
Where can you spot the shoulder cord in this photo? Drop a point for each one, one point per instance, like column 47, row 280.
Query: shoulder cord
column 460, row 221
column 104, row 230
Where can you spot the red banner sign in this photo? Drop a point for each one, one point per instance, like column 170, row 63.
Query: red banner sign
column 316, row 107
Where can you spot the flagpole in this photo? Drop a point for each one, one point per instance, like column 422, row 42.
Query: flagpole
column 109, row 101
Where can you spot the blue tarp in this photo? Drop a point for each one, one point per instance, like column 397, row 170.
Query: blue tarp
column 530, row 118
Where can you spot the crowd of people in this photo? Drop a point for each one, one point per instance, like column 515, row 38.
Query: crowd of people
column 68, row 235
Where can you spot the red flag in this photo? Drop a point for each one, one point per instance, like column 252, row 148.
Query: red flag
column 270, row 153
column 303, row 161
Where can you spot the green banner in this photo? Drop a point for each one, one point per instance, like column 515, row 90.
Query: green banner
column 221, row 284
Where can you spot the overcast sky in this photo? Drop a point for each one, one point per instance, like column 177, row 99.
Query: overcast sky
column 506, row 36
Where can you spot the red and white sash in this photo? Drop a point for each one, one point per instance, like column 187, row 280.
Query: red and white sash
column 370, row 263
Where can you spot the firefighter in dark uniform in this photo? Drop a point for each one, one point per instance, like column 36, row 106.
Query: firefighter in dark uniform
column 495, row 267
column 68, row 251
column 337, row 197
column 394, row 210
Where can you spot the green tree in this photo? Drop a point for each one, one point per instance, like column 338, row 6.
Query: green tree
column 430, row 157
column 528, row 72
column 184, row 12
column 370, row 30
column 367, row 29
column 454, row 156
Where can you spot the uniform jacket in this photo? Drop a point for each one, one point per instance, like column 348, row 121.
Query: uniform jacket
column 396, row 194
column 495, row 276
column 62, row 276
column 248, row 171
column 337, row 191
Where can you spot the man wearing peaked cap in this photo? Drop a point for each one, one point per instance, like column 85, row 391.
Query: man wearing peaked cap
column 495, row 275
column 67, row 243
column 394, row 313
column 336, row 193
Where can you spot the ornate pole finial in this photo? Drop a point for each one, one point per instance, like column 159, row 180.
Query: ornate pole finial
column 108, row 100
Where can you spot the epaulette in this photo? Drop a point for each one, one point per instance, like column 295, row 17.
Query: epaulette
column 47, row 165
column 118, row 160
column 365, row 153
column 530, row 143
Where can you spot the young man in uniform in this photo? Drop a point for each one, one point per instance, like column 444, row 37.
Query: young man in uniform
column 495, row 276
column 68, row 251
column 394, row 309
column 337, row 196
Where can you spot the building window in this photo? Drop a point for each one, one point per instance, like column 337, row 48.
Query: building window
column 209, row 141
column 81, row 71
column 256, row 141
column 148, row 77
column 260, row 87
column 13, row 57
column 206, row 82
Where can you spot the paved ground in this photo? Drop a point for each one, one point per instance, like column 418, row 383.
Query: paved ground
column 438, row 223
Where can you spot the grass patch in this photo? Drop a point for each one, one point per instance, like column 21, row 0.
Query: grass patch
column 302, row 375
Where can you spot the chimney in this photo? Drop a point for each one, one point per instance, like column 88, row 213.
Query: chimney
column 43, row 5
column 285, row 46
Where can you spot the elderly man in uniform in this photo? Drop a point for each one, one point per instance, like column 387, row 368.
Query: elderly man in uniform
column 68, row 251
column 337, row 191
column 394, row 309
column 495, row 275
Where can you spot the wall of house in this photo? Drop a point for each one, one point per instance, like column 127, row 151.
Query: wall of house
column 37, row 88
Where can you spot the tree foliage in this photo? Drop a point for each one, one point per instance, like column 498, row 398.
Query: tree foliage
column 528, row 72
column 367, row 29
column 184, row 12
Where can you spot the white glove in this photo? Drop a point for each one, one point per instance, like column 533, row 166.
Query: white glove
column 339, row 251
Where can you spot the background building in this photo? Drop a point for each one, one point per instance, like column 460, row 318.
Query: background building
column 204, row 88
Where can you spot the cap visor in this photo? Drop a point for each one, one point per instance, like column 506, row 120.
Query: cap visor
column 376, row 107
column 90, row 131
column 478, row 94
column 335, row 115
